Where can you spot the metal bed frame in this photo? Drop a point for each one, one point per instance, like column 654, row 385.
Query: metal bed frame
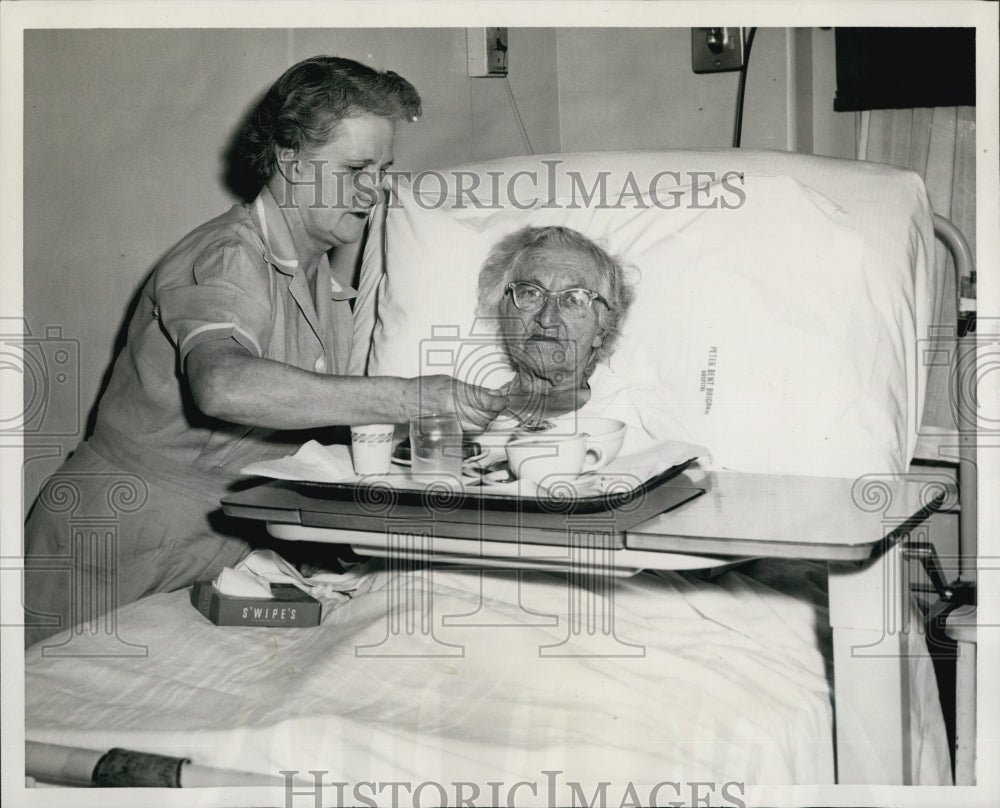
column 956, row 607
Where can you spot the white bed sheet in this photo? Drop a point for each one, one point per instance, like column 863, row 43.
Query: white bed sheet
column 723, row 679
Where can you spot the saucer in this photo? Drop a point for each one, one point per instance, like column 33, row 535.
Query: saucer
column 472, row 449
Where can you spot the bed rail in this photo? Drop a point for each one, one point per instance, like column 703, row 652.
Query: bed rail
column 957, row 245
column 961, row 252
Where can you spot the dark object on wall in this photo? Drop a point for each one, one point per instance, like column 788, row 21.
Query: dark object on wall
column 900, row 68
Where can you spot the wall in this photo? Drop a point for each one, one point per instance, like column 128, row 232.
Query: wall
column 634, row 88
column 126, row 131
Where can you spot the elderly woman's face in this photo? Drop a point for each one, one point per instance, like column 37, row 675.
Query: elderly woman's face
column 546, row 342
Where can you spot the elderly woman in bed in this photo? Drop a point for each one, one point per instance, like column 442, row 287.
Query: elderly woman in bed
column 559, row 300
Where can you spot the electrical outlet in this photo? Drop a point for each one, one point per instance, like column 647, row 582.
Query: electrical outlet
column 716, row 49
column 487, row 48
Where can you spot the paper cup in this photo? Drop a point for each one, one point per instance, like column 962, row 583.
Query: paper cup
column 371, row 448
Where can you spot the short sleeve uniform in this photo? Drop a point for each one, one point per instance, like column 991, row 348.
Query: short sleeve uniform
column 235, row 277
column 155, row 467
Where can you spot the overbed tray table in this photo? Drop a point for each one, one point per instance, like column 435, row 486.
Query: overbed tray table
column 714, row 518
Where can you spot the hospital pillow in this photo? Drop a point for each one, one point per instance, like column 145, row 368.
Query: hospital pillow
column 779, row 297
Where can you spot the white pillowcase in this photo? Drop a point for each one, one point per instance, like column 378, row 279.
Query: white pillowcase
column 778, row 328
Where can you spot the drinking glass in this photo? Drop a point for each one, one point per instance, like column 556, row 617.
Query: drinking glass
column 436, row 448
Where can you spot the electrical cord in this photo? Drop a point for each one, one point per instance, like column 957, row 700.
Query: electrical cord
column 517, row 115
column 741, row 91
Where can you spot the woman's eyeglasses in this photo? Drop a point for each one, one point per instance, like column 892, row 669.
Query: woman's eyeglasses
column 573, row 303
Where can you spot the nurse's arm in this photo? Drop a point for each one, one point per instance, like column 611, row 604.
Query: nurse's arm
column 230, row 383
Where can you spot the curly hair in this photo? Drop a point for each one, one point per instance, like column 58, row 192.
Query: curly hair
column 515, row 249
column 303, row 107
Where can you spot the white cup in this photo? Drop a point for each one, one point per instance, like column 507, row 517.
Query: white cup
column 544, row 459
column 371, row 448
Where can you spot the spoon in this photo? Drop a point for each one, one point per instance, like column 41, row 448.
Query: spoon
column 530, row 426
column 496, row 472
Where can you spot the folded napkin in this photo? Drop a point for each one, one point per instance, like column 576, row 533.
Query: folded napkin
column 241, row 583
column 313, row 462
column 253, row 576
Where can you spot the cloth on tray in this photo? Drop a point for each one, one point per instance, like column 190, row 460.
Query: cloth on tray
column 313, row 462
column 646, row 457
column 457, row 675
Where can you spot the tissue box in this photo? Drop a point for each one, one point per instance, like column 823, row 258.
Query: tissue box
column 290, row 606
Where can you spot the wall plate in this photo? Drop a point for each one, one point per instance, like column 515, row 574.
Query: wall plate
column 487, row 48
column 714, row 50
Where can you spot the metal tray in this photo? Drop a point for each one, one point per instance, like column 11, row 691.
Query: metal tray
column 479, row 513
column 368, row 496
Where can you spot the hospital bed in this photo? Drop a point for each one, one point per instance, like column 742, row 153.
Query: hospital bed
column 774, row 640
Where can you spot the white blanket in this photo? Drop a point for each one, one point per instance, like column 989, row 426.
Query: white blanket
column 717, row 679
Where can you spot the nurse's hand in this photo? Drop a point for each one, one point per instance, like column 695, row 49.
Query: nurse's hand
column 476, row 407
column 535, row 407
